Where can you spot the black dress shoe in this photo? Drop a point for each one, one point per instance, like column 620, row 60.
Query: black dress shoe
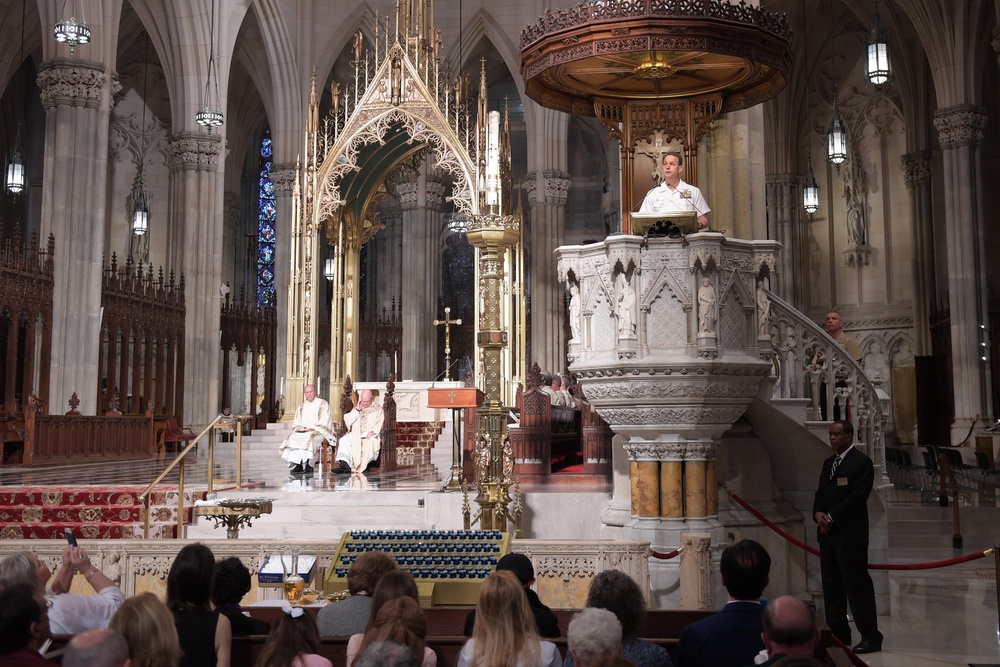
column 296, row 469
column 342, row 469
column 309, row 466
column 865, row 646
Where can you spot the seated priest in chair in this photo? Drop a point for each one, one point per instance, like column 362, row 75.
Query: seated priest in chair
column 363, row 440
column 312, row 425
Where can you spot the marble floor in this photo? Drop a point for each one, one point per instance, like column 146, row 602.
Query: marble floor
column 946, row 616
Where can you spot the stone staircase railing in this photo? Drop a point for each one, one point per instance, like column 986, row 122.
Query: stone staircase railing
column 796, row 341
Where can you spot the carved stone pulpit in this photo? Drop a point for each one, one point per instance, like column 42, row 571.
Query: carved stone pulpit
column 666, row 348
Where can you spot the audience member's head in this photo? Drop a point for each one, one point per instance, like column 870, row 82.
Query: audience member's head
column 505, row 624
column 399, row 620
column 790, row 627
column 520, row 565
column 395, row 584
column 745, row 567
column 232, row 582
column 798, row 661
column 148, row 628
column 593, row 633
column 388, row 654
column 368, row 570
column 293, row 634
column 565, row 382
column 24, row 618
column 101, row 647
column 618, row 593
column 611, row 661
column 546, row 379
column 191, row 577
column 23, row 567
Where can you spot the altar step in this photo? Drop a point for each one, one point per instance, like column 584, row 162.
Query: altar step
column 44, row 512
column 925, row 532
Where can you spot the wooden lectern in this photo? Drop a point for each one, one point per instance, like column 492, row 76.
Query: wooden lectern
column 455, row 398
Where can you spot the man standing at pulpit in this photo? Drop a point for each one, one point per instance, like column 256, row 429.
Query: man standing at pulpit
column 674, row 195
column 312, row 425
column 363, row 440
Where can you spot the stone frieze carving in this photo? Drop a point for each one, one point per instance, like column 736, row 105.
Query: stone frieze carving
column 193, row 152
column 679, row 416
column 283, row 179
column 960, row 125
column 71, row 83
column 916, row 168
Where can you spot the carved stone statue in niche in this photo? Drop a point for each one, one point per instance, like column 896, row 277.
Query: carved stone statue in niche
column 626, row 302
column 855, row 222
column 763, row 311
column 574, row 310
column 706, row 307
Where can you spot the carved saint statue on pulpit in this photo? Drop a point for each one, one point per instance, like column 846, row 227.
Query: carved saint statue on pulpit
column 706, row 307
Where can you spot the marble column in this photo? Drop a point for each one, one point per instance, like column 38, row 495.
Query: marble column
column 420, row 199
column 196, row 212
column 76, row 97
column 960, row 133
column 917, row 176
column 697, row 492
column 283, row 178
column 547, row 193
column 783, row 198
column 732, row 173
column 234, row 263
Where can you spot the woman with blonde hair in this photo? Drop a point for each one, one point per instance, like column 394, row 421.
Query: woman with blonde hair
column 506, row 634
column 148, row 628
column 400, row 620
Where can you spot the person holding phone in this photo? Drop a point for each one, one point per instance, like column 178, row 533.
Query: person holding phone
column 70, row 612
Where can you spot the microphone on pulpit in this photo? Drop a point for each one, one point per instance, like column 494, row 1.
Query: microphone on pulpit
column 442, row 373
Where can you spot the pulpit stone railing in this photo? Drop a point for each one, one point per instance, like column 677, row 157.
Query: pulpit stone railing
column 808, row 363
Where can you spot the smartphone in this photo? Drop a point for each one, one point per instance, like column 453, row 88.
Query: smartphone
column 70, row 537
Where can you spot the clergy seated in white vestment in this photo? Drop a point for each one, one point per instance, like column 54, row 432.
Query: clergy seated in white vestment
column 313, row 424
column 363, row 440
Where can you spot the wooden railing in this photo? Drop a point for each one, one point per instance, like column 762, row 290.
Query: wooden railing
column 250, row 330
column 179, row 462
column 141, row 357
column 76, row 438
column 809, row 362
column 26, row 305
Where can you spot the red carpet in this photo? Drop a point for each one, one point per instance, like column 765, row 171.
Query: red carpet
column 92, row 512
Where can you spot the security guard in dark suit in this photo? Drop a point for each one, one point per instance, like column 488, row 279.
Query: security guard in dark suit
column 840, row 510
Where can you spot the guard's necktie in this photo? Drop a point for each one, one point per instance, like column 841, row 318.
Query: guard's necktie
column 833, row 468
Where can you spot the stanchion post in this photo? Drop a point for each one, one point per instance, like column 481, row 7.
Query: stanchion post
column 956, row 535
column 996, row 571
column 944, row 469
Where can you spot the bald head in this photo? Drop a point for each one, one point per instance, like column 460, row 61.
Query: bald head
column 97, row 648
column 364, row 398
column 790, row 627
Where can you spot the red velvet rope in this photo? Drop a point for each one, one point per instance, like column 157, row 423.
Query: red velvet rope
column 665, row 556
column 871, row 566
column 767, row 522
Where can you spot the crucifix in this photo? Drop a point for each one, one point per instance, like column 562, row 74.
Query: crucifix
column 447, row 322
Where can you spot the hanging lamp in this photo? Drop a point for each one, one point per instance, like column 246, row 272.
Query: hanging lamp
column 878, row 67
column 836, row 147
column 140, row 202
column 210, row 114
column 72, row 32
column 810, row 190
column 15, row 174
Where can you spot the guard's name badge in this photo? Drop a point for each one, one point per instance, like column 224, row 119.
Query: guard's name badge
column 841, row 481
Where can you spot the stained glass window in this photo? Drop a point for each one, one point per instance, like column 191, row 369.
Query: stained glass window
column 266, row 209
